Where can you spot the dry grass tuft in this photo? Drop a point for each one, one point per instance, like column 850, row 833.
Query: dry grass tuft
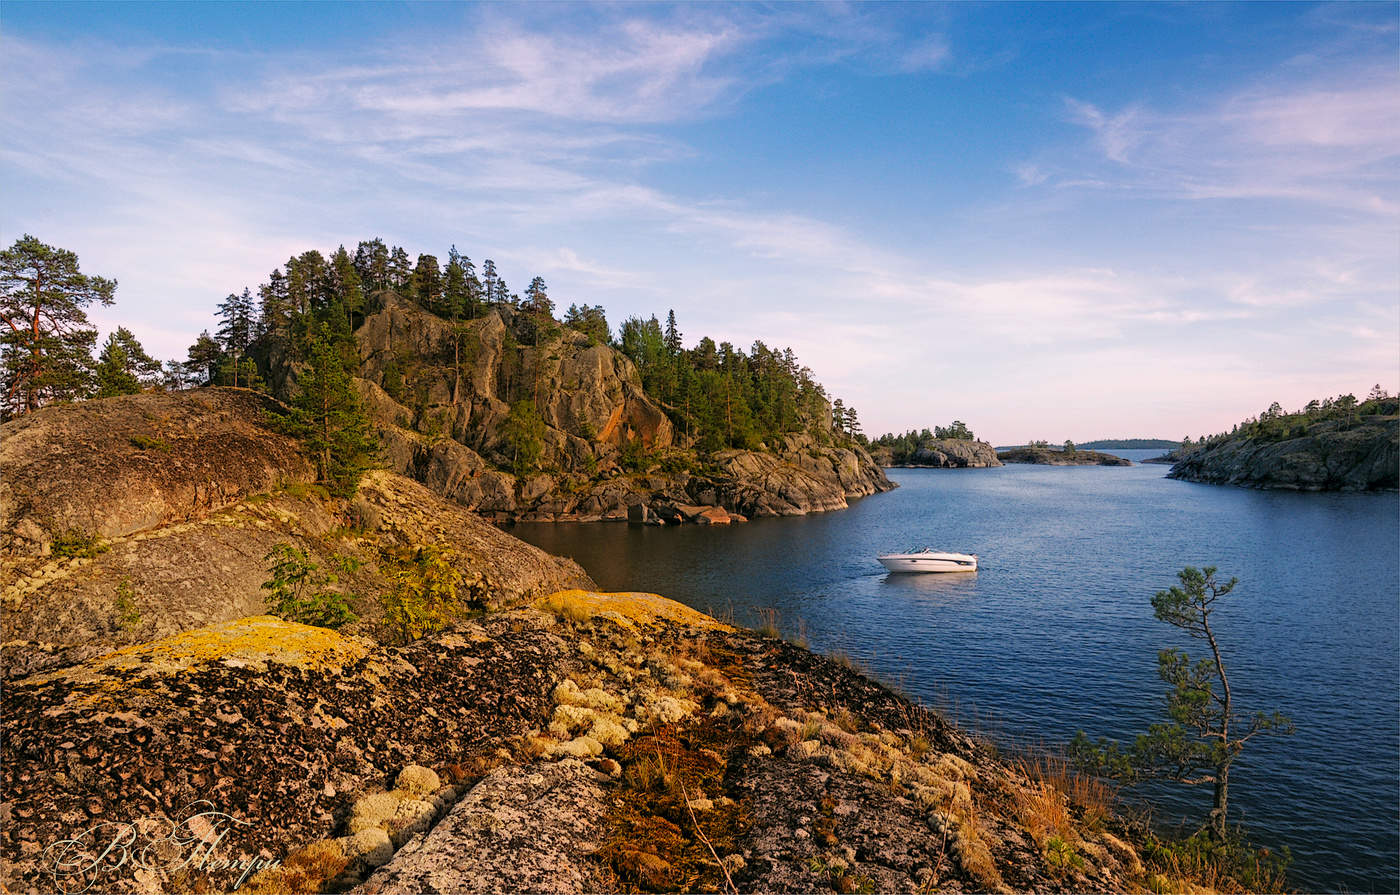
column 1094, row 798
column 304, row 871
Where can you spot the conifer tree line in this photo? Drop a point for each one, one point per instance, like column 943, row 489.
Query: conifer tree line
column 307, row 310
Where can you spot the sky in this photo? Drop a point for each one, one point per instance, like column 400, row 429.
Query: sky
column 1048, row 221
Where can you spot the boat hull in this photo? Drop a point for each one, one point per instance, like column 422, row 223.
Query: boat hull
column 929, row 563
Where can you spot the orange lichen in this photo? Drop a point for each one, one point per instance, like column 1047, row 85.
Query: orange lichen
column 627, row 609
column 253, row 642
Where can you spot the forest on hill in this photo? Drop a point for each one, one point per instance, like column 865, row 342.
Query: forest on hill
column 717, row 395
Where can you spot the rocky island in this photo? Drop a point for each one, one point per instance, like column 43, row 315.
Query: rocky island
column 481, row 719
column 1334, row 445
column 1056, row 457
column 940, row 453
column 946, row 447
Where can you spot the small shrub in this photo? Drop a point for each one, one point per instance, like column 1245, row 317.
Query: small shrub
column 297, row 592
column 768, row 625
column 1061, row 855
column 127, row 613
column 149, row 443
column 425, row 596
column 75, row 544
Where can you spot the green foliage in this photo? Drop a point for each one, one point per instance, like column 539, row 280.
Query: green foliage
column 298, row 591
column 46, row 340
column 149, row 443
column 425, row 593
column 1211, row 858
column 327, row 417
column 592, row 321
column 124, row 606
column 524, row 434
column 124, row 367
column 1274, row 424
column 717, row 395
column 1204, row 735
column 242, row 373
column 1069, row 446
column 77, row 544
column 202, row 362
column 1061, row 855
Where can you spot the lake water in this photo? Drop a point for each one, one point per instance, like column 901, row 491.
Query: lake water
column 1055, row 632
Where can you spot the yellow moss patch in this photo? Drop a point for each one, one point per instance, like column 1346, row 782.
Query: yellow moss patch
column 253, row 642
column 627, row 609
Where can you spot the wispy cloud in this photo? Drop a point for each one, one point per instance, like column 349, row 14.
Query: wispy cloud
column 1333, row 143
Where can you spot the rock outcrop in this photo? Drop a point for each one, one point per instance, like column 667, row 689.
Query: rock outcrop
column 595, row 743
column 116, row 466
column 1332, row 456
column 941, row 453
column 442, row 394
column 154, row 545
column 1057, row 457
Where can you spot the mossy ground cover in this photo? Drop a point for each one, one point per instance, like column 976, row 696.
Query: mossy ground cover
column 676, row 817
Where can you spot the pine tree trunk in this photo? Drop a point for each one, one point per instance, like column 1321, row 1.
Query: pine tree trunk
column 1222, row 798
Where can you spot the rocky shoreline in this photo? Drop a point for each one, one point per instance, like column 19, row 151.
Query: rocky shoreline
column 1330, row 456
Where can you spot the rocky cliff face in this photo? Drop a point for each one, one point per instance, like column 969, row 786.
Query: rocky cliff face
column 942, row 453
column 442, row 394
column 1330, row 457
column 165, row 507
column 1056, row 457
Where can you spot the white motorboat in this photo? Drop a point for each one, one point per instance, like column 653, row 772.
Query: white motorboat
column 929, row 560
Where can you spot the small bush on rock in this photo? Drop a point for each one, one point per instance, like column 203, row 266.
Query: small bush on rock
column 297, row 593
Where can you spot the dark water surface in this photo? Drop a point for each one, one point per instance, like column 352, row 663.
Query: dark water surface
column 1055, row 632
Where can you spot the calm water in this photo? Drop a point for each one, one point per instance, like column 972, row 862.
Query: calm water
column 1055, row 633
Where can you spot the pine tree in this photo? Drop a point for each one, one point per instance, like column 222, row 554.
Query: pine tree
column 124, row 367
column 456, row 294
column 346, row 288
column 673, row 335
column 328, row 418
column 204, row 357
column 46, row 344
column 427, row 284
column 372, row 264
column 400, row 270
column 236, row 333
column 537, row 298
column 276, row 317
column 488, row 279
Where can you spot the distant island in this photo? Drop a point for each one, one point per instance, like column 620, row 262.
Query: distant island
column 1337, row 444
column 946, row 447
column 1129, row 444
column 1069, row 455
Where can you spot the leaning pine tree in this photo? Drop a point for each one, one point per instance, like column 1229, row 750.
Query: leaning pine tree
column 1205, row 735
column 329, row 420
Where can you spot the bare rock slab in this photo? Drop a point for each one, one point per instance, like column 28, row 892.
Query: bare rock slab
column 521, row 829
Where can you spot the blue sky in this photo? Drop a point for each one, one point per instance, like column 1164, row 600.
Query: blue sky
column 1050, row 221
